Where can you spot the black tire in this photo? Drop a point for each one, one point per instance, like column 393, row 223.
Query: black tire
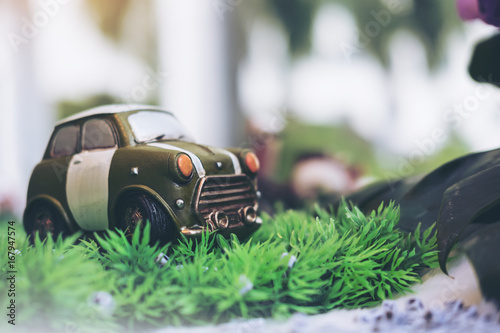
column 43, row 218
column 136, row 208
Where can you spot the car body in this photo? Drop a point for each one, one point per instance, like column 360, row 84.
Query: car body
column 117, row 166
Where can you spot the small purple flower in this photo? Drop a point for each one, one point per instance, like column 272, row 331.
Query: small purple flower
column 490, row 11
column 486, row 10
column 468, row 9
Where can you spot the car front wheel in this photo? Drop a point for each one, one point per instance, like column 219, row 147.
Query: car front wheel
column 136, row 208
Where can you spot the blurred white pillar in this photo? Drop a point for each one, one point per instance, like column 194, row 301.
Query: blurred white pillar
column 24, row 122
column 195, row 52
column 10, row 173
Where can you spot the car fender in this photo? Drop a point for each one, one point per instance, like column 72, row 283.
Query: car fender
column 144, row 189
column 54, row 203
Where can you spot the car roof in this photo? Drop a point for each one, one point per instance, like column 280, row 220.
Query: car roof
column 109, row 109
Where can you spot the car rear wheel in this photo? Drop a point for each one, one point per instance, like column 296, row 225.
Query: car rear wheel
column 136, row 208
column 44, row 219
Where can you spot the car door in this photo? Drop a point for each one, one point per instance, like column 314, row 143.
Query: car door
column 50, row 175
column 88, row 173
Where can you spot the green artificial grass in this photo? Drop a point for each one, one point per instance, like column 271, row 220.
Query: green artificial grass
column 296, row 262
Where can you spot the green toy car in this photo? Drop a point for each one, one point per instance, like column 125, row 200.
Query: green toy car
column 118, row 166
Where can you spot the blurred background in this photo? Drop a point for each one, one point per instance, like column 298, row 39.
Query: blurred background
column 330, row 94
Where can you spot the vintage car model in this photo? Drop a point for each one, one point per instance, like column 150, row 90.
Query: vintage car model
column 118, row 166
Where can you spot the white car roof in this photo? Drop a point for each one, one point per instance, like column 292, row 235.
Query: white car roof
column 108, row 109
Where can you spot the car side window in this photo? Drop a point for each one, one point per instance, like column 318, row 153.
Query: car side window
column 65, row 141
column 98, row 134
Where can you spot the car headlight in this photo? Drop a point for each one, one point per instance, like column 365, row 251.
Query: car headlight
column 252, row 164
column 182, row 168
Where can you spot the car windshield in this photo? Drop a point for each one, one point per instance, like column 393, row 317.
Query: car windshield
column 151, row 126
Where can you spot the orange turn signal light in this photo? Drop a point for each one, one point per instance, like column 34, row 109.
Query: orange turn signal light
column 252, row 162
column 185, row 165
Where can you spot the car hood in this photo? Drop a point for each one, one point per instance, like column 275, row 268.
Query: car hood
column 206, row 160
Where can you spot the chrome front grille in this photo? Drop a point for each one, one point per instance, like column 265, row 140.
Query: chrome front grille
column 228, row 194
